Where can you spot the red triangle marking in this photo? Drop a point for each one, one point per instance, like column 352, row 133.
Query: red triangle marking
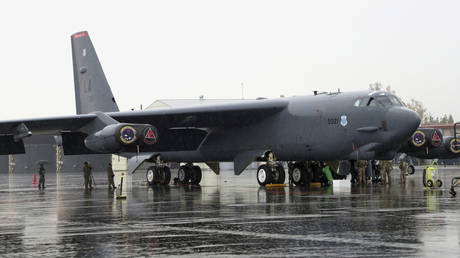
column 436, row 136
column 150, row 134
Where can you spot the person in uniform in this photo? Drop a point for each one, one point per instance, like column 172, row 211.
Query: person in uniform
column 403, row 168
column 87, row 174
column 41, row 173
column 387, row 167
column 362, row 171
column 110, row 176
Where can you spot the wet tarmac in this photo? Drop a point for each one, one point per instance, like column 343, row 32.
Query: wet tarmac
column 227, row 216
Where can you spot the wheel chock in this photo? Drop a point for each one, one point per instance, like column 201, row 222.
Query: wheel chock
column 318, row 185
column 275, row 185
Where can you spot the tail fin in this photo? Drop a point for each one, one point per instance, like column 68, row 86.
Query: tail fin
column 92, row 92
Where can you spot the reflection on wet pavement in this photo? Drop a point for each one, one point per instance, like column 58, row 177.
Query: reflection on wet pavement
column 227, row 215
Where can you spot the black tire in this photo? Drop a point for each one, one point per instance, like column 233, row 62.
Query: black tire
column 453, row 192
column 150, row 175
column 165, row 176
column 264, row 175
column 184, row 174
column 299, row 175
column 196, row 175
column 429, row 183
column 438, row 183
column 281, row 174
column 424, row 178
column 410, row 169
column 157, row 175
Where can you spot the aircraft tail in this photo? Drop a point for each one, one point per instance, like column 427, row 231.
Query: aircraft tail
column 92, row 91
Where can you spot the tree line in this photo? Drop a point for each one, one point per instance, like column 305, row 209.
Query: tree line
column 417, row 106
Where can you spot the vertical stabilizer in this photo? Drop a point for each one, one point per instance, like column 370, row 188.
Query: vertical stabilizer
column 92, row 92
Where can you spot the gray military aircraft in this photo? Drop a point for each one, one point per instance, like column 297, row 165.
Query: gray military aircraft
column 325, row 126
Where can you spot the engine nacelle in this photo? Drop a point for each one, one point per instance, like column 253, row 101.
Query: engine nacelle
column 452, row 145
column 114, row 138
column 426, row 137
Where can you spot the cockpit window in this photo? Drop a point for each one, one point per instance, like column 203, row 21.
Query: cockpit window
column 395, row 100
column 382, row 100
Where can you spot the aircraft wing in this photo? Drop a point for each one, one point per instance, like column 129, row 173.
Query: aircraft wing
column 76, row 128
column 206, row 116
column 49, row 125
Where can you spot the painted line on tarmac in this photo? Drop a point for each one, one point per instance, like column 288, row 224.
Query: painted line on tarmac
column 312, row 238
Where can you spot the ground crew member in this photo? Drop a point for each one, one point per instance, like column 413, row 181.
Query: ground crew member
column 41, row 173
column 403, row 168
column 110, row 176
column 361, row 171
column 387, row 167
column 87, row 174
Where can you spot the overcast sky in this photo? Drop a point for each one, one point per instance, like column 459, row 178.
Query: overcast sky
column 183, row 49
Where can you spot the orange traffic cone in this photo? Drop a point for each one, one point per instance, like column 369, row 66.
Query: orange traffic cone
column 35, row 178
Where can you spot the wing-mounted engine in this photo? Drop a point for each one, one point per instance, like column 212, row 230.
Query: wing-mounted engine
column 452, row 145
column 426, row 137
column 118, row 137
column 428, row 143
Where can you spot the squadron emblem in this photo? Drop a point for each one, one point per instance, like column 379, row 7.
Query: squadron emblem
column 418, row 138
column 343, row 120
column 436, row 139
column 149, row 136
column 127, row 134
column 454, row 145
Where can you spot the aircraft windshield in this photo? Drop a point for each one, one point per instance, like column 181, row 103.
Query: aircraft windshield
column 382, row 100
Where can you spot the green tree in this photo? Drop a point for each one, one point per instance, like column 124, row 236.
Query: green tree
column 418, row 107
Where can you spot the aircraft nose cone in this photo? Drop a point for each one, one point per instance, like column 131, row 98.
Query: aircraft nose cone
column 403, row 122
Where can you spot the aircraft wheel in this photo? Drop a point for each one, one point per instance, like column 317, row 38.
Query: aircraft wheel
column 264, row 175
column 195, row 178
column 429, row 183
column 165, row 176
column 410, row 170
column 438, row 183
column 424, row 178
column 299, row 175
column 156, row 175
column 150, row 175
column 453, row 192
column 184, row 174
column 281, row 174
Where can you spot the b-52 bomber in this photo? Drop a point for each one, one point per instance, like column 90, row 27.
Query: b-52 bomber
column 360, row 125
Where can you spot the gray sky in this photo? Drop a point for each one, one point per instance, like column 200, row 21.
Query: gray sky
column 182, row 49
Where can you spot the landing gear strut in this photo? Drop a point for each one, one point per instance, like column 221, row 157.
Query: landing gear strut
column 189, row 174
column 271, row 173
column 158, row 173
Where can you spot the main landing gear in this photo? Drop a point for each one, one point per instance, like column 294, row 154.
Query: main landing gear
column 189, row 174
column 271, row 173
column 159, row 173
